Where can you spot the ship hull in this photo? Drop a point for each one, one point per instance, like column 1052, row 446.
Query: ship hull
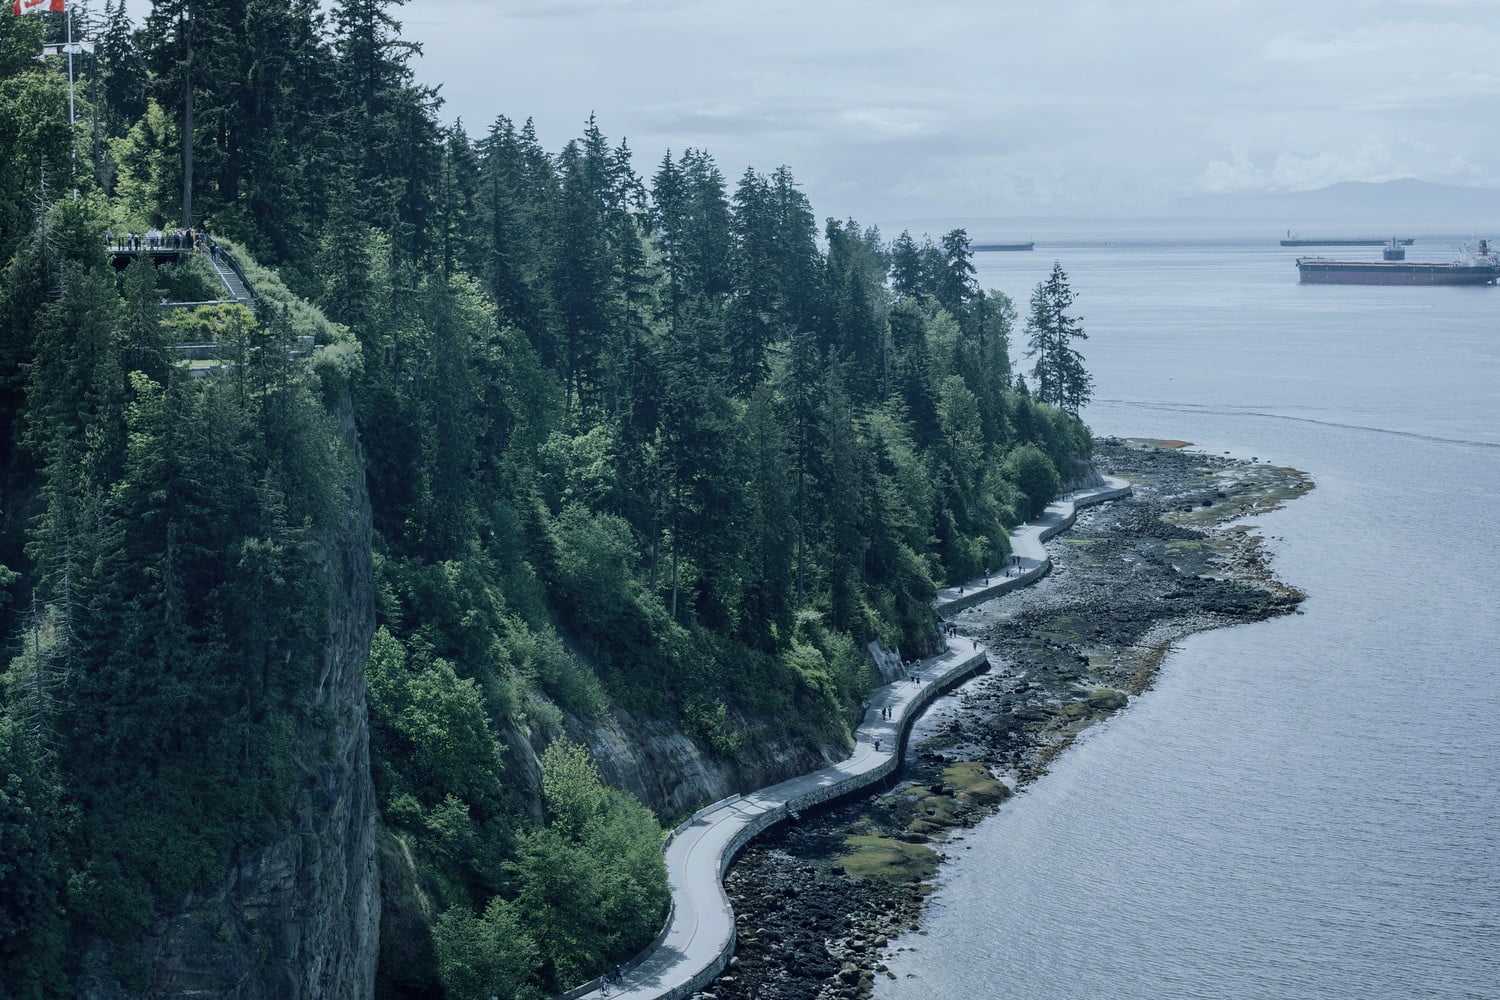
column 992, row 247
column 1406, row 242
column 1373, row 273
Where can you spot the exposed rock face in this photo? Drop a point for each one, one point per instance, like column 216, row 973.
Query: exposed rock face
column 298, row 919
column 663, row 767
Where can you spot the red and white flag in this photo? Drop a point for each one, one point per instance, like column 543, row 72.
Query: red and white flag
column 28, row 6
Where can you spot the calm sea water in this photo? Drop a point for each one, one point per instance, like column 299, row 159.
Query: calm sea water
column 1305, row 807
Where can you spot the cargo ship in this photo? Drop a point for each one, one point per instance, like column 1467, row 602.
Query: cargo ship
column 991, row 247
column 1295, row 241
column 1478, row 265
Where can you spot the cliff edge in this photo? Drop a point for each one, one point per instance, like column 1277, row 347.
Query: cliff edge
column 299, row 918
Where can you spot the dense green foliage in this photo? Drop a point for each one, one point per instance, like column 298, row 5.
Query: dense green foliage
column 659, row 446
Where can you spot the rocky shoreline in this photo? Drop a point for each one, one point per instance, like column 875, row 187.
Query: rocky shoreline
column 819, row 902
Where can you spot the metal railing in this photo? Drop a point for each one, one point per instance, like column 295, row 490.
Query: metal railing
column 164, row 244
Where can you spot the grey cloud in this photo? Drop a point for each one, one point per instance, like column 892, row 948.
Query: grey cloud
column 581, row 8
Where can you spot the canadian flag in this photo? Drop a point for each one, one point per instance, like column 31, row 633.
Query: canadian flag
column 27, row 6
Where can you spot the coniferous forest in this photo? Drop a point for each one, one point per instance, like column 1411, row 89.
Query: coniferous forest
column 618, row 442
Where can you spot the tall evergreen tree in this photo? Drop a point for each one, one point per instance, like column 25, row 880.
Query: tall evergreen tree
column 386, row 130
column 1059, row 372
column 123, row 77
column 956, row 285
column 517, row 184
column 907, row 279
column 754, row 322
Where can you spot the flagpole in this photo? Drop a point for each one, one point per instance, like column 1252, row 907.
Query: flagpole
column 72, row 112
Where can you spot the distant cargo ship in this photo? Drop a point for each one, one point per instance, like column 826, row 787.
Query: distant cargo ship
column 1294, row 241
column 1478, row 266
column 991, row 247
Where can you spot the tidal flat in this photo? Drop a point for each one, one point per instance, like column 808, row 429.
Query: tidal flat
column 820, row 903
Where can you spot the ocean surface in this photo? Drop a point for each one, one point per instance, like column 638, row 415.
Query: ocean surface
column 1306, row 807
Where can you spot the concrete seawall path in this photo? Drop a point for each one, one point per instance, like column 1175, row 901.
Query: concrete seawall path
column 699, row 936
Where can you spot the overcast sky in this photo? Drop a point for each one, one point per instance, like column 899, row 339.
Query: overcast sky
column 896, row 111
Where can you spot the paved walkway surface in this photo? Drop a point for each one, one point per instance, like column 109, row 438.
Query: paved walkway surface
column 699, row 935
column 1029, row 561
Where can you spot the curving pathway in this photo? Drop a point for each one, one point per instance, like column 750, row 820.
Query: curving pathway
column 699, row 935
column 1029, row 561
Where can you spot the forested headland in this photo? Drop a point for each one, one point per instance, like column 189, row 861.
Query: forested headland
column 595, row 445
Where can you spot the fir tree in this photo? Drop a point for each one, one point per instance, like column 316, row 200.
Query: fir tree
column 1061, row 378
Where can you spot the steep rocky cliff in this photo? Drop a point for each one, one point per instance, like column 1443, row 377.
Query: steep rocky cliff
column 663, row 767
column 297, row 919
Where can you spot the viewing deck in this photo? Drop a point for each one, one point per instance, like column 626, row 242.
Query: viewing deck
column 171, row 250
column 121, row 256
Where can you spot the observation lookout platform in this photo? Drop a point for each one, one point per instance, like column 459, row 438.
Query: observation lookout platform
column 173, row 250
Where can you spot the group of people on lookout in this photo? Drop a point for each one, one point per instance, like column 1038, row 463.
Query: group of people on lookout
column 158, row 239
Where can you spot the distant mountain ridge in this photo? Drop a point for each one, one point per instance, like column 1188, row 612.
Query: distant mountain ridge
column 1407, row 207
column 1372, row 208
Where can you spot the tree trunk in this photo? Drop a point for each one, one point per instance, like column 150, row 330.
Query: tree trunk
column 187, row 124
column 801, row 518
column 676, row 503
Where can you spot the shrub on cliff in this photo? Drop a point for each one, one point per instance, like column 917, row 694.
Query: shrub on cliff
column 591, row 890
column 491, row 955
column 1033, row 473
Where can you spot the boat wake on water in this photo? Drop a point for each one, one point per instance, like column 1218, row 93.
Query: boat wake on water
column 1243, row 411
